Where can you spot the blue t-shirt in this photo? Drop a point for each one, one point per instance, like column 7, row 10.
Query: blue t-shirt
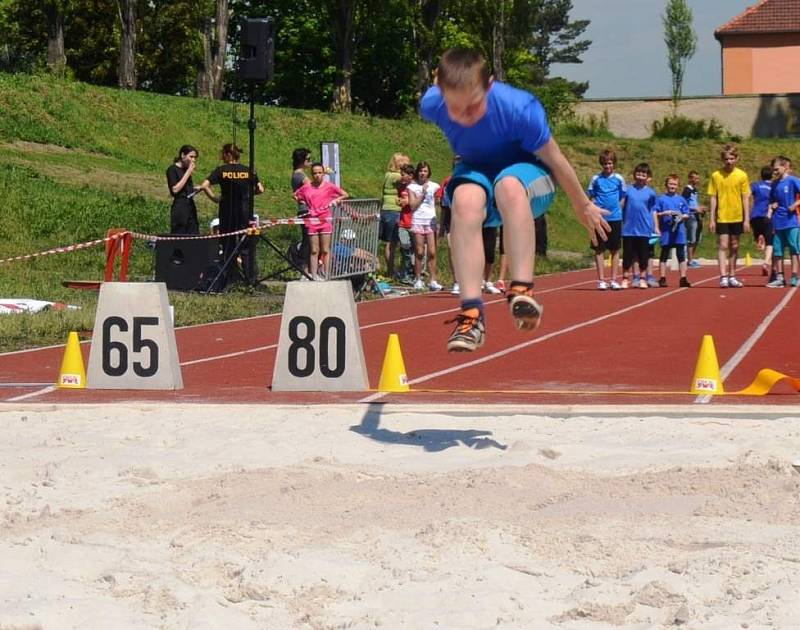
column 638, row 219
column 676, row 203
column 513, row 128
column 607, row 192
column 784, row 193
column 761, row 191
column 690, row 195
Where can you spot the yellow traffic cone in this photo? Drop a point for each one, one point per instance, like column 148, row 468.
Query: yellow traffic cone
column 608, row 261
column 393, row 373
column 72, row 374
column 748, row 260
column 706, row 378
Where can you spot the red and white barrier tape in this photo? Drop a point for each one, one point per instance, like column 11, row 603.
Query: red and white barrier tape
column 65, row 249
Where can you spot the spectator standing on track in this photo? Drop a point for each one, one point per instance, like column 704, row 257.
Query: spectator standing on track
column 423, row 225
column 607, row 190
column 671, row 211
column 406, row 273
column 390, row 211
column 233, row 180
column 784, row 202
column 319, row 195
column 760, row 223
column 507, row 155
column 638, row 225
column 183, row 215
column 301, row 160
column 694, row 224
column 729, row 213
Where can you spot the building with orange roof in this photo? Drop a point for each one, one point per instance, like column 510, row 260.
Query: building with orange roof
column 761, row 49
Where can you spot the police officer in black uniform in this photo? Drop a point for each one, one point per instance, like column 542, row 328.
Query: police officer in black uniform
column 233, row 179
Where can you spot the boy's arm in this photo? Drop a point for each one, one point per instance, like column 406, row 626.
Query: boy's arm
column 712, row 212
column 590, row 216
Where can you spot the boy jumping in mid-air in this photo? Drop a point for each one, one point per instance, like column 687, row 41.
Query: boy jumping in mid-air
column 507, row 155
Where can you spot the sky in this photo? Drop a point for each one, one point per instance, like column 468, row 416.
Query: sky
column 628, row 56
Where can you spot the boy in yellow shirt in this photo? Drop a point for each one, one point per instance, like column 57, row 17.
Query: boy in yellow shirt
column 729, row 211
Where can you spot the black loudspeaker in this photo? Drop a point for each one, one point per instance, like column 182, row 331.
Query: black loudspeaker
column 180, row 264
column 257, row 62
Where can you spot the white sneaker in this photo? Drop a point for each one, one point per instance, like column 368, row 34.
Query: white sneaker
column 733, row 282
column 489, row 287
column 455, row 290
column 723, row 282
column 435, row 286
column 614, row 285
column 419, row 285
column 602, row 285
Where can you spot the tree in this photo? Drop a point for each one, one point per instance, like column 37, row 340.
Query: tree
column 211, row 78
column 681, row 41
column 126, row 10
column 56, row 57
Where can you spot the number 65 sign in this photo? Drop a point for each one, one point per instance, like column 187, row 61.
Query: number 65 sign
column 133, row 343
column 319, row 348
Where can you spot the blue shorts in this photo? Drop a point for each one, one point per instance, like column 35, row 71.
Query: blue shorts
column 388, row 226
column 534, row 178
column 790, row 237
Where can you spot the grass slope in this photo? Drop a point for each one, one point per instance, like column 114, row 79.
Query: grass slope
column 78, row 159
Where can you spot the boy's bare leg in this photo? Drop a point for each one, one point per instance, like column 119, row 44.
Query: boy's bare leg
column 599, row 263
column 519, row 231
column 469, row 212
column 722, row 254
column 733, row 254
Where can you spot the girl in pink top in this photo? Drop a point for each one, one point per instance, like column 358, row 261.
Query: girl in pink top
column 319, row 195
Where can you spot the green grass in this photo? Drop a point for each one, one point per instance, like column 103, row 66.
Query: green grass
column 76, row 160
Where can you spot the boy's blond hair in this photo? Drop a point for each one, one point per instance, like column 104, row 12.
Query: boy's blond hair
column 461, row 68
column 729, row 149
column 396, row 161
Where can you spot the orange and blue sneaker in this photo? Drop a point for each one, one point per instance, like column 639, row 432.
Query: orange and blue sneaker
column 469, row 332
column 527, row 312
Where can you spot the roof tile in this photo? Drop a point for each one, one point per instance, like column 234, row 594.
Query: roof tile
column 767, row 16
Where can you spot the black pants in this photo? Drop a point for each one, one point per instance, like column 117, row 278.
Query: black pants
column 183, row 217
column 635, row 249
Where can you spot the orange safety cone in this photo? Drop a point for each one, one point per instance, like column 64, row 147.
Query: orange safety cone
column 393, row 373
column 72, row 374
column 707, row 379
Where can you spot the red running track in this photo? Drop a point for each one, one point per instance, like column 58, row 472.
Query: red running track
column 622, row 347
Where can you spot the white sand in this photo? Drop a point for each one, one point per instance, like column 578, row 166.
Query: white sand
column 142, row 516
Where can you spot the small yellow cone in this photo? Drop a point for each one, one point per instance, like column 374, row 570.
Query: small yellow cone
column 706, row 378
column 72, row 374
column 748, row 260
column 608, row 261
column 393, row 373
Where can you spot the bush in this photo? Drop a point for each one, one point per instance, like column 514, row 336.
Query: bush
column 680, row 127
column 587, row 126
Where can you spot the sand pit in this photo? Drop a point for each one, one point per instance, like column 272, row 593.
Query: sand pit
column 143, row 516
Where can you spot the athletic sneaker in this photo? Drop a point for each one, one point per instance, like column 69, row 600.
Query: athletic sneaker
column 777, row 283
column 625, row 283
column 435, row 286
column 662, row 282
column 614, row 285
column 469, row 332
column 419, row 285
column 651, row 281
column 526, row 311
column 500, row 284
column 794, row 281
column 455, row 290
column 489, row 287
column 723, row 282
column 694, row 264
column 642, row 283
column 602, row 285
column 685, row 283
column 733, row 282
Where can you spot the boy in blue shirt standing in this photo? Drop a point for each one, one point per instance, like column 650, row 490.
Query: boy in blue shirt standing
column 784, row 202
column 672, row 211
column 760, row 223
column 507, row 155
column 694, row 224
column 638, row 225
column 607, row 190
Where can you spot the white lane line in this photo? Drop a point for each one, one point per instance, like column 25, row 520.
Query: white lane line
column 522, row 346
column 40, row 392
column 726, row 370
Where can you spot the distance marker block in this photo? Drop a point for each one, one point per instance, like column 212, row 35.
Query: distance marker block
column 319, row 348
column 133, row 343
